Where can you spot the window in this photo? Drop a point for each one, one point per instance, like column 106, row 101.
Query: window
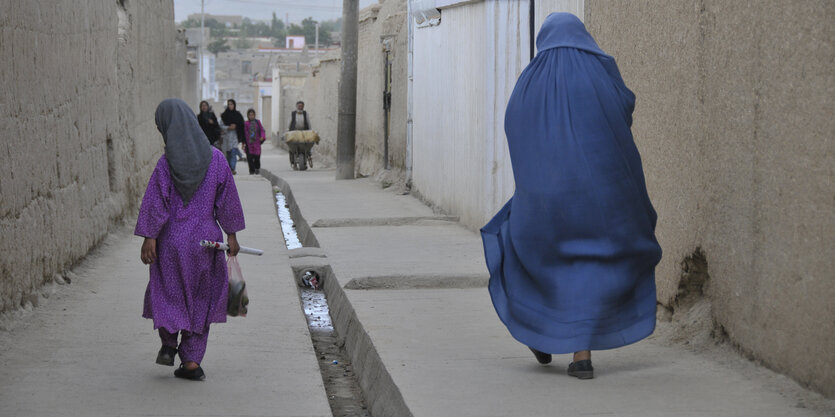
column 246, row 67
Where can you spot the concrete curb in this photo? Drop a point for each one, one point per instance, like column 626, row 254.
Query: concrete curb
column 382, row 396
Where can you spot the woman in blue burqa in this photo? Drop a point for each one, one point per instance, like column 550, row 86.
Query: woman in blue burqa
column 572, row 255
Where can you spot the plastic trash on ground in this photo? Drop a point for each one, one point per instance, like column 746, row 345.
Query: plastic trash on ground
column 310, row 279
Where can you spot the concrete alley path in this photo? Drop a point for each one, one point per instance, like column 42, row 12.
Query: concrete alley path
column 408, row 296
column 86, row 351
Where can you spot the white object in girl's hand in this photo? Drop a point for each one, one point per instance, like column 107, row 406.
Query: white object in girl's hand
column 224, row 247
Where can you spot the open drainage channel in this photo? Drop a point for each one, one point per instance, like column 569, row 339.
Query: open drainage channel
column 341, row 385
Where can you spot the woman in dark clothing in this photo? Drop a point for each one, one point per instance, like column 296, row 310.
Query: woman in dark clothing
column 208, row 122
column 232, row 118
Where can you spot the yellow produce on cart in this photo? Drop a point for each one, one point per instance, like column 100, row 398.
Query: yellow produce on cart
column 302, row 136
column 300, row 143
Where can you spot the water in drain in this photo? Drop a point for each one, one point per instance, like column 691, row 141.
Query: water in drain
column 344, row 394
column 291, row 238
column 316, row 310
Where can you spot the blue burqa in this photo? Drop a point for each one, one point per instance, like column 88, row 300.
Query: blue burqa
column 572, row 255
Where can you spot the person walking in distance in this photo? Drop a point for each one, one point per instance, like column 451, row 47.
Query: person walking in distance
column 234, row 125
column 191, row 196
column 572, row 255
column 208, row 122
column 255, row 136
column 299, row 121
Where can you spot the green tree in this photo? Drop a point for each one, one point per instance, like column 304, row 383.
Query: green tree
column 262, row 29
column 243, row 43
column 191, row 23
column 251, row 29
column 277, row 31
column 216, row 29
column 276, row 27
column 308, row 29
column 248, row 28
column 331, row 25
column 218, row 46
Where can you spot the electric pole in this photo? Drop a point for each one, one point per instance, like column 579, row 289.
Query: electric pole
column 202, row 44
column 347, row 122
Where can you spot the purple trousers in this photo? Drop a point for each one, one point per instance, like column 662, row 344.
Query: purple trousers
column 192, row 346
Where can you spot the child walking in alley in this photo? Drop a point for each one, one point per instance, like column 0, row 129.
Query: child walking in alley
column 191, row 196
column 254, row 136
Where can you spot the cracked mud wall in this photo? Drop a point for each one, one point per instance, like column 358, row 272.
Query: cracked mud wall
column 81, row 81
column 734, row 124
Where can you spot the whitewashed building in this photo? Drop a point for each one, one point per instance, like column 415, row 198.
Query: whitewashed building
column 466, row 57
column 209, row 83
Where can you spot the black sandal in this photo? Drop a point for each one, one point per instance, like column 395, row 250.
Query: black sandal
column 166, row 355
column 195, row 374
column 541, row 357
column 581, row 369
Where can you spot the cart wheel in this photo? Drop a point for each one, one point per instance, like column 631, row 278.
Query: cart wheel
column 301, row 161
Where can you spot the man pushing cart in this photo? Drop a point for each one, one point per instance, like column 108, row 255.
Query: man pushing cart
column 300, row 139
column 300, row 144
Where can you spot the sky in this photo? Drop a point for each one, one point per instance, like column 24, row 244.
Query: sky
column 263, row 9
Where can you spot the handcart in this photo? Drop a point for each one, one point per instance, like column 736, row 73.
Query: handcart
column 300, row 144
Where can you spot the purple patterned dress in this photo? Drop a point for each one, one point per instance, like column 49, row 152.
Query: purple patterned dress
column 188, row 286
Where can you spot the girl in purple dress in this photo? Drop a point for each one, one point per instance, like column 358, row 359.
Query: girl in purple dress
column 191, row 196
column 254, row 134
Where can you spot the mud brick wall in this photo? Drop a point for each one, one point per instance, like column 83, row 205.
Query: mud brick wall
column 734, row 121
column 81, row 81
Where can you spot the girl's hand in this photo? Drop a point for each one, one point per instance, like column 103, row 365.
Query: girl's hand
column 149, row 251
column 234, row 248
column 231, row 127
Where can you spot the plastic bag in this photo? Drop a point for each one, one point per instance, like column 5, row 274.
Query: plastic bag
column 238, row 299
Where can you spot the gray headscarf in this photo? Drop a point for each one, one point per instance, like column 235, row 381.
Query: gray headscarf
column 186, row 147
